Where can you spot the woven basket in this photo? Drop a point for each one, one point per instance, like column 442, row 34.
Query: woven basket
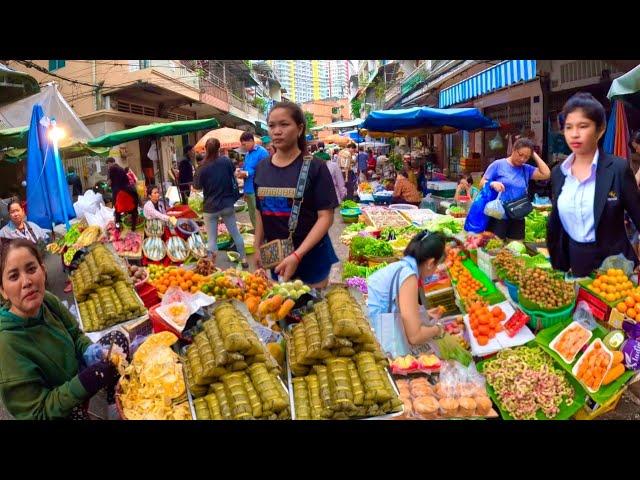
column 375, row 261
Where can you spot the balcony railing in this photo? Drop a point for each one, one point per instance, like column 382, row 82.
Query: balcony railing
column 175, row 70
column 392, row 91
column 208, row 87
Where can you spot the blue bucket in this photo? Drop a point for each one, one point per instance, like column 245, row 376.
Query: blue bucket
column 513, row 290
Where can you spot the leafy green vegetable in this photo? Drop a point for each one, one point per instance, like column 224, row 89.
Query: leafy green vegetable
column 380, row 248
column 350, row 270
column 517, row 247
column 358, row 245
column 348, row 204
column 446, row 225
column 450, row 349
column 355, row 227
column 389, row 233
column 535, row 226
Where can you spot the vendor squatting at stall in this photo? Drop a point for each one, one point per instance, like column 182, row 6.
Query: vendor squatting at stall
column 48, row 368
column 402, row 280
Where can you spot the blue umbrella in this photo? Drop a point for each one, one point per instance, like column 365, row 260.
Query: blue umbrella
column 610, row 135
column 48, row 198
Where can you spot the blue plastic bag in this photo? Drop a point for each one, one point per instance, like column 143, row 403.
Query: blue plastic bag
column 477, row 221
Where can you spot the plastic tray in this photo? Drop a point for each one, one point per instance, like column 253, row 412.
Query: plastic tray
column 502, row 340
column 605, row 393
column 576, row 367
column 97, row 335
column 555, row 341
column 492, row 294
column 379, row 417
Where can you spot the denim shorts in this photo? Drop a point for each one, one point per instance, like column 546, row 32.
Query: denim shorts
column 315, row 265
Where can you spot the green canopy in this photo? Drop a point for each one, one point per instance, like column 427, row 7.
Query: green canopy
column 153, row 130
column 14, row 137
column 627, row 86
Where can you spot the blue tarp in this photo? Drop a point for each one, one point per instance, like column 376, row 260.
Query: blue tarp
column 427, row 118
column 46, row 190
column 353, row 135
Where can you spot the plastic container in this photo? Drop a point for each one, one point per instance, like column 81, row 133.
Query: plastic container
column 576, row 367
column 541, row 320
column 513, row 290
column 578, row 347
column 350, row 215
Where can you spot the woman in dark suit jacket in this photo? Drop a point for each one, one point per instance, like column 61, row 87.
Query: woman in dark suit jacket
column 591, row 191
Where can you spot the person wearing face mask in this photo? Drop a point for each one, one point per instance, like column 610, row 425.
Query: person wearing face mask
column 393, row 289
column 276, row 182
column 510, row 177
column 49, row 369
column 591, row 191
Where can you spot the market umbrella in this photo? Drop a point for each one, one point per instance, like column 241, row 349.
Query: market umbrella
column 337, row 139
column 228, row 137
column 616, row 139
column 423, row 120
column 48, row 198
column 353, row 135
column 627, row 87
column 154, row 130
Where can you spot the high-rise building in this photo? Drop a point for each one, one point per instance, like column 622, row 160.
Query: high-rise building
column 307, row 80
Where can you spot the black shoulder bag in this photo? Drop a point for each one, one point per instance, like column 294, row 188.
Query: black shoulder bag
column 520, row 208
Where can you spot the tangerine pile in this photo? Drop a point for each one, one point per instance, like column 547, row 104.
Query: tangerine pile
column 631, row 306
column 485, row 323
column 187, row 280
column 612, row 286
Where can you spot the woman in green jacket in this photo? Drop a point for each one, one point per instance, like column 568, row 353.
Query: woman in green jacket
column 48, row 368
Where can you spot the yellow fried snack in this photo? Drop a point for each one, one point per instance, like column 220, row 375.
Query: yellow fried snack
column 154, row 382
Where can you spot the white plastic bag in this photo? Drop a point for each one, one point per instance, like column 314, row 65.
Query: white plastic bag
column 584, row 316
column 494, row 209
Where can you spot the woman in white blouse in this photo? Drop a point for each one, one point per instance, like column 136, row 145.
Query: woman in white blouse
column 591, row 191
column 155, row 209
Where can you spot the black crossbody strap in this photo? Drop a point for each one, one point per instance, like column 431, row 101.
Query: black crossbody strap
column 300, row 188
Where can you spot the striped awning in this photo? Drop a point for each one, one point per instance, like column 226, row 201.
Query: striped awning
column 499, row 76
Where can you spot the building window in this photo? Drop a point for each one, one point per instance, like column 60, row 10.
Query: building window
column 56, row 64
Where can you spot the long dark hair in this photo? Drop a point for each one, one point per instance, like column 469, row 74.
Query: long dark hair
column 298, row 116
column 426, row 245
column 14, row 244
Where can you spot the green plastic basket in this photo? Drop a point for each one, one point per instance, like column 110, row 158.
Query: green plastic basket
column 540, row 320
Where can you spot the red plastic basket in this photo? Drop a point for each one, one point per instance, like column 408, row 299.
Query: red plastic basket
column 148, row 295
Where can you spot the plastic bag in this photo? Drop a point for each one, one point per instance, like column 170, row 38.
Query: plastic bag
column 477, row 221
column 196, row 201
column 618, row 262
column 495, row 209
column 496, row 143
column 584, row 316
column 175, row 296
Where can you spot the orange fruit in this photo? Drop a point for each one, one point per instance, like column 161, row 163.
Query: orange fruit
column 636, row 297
column 631, row 313
column 483, row 340
column 630, row 301
column 610, row 297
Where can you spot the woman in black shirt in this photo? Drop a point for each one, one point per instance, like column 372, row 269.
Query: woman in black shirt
column 275, row 184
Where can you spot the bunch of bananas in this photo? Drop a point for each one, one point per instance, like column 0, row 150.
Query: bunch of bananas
column 89, row 236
